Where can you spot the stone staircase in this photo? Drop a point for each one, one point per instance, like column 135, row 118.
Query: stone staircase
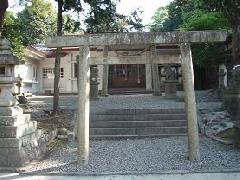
column 128, row 91
column 132, row 123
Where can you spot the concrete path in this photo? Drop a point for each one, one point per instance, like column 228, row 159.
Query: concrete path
column 178, row 176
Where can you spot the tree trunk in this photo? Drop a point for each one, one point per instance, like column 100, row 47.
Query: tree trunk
column 236, row 42
column 57, row 62
column 3, row 8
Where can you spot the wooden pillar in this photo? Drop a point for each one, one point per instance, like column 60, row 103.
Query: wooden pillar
column 190, row 102
column 84, row 106
column 105, row 73
column 148, row 71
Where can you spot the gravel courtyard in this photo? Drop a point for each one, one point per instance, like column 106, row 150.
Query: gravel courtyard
column 149, row 155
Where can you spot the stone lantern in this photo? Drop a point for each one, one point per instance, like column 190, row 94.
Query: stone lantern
column 94, row 83
column 7, row 79
column 17, row 131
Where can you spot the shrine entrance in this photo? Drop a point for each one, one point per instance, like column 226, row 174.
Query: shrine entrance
column 149, row 58
column 127, row 76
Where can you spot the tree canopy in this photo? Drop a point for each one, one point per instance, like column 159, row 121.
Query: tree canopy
column 30, row 26
column 194, row 15
column 3, row 7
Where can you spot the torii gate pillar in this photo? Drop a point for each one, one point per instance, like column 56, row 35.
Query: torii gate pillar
column 84, row 106
column 190, row 102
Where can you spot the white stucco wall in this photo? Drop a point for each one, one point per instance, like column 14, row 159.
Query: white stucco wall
column 68, row 84
column 29, row 74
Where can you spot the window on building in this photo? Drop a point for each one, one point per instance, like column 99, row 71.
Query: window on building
column 61, row 72
column 34, row 71
column 75, row 72
column 48, row 73
column 2, row 71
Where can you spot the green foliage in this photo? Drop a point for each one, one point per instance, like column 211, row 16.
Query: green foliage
column 207, row 54
column 70, row 25
column 33, row 25
column 104, row 18
column 159, row 19
column 202, row 20
column 101, row 17
column 174, row 18
column 171, row 17
column 12, row 33
column 194, row 15
column 36, row 22
column 230, row 8
column 30, row 26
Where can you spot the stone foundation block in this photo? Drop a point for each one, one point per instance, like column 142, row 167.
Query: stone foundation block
column 19, row 131
column 16, row 152
column 10, row 157
column 10, row 111
column 14, row 120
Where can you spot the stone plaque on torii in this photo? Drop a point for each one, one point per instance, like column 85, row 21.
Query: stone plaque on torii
column 183, row 39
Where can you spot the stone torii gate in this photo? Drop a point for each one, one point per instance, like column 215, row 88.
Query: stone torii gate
column 184, row 39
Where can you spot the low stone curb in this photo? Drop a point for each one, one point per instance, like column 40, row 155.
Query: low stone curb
column 237, row 170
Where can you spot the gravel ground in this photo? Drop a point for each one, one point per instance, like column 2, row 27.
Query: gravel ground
column 205, row 100
column 139, row 156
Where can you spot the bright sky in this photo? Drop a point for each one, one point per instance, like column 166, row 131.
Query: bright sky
column 127, row 6
column 148, row 6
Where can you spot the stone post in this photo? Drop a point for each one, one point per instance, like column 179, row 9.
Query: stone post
column 84, row 106
column 148, row 71
column 105, row 72
column 190, row 102
column 156, row 80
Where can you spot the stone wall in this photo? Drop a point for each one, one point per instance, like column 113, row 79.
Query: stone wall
column 20, row 141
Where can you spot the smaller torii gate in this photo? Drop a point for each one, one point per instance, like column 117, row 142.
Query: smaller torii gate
column 184, row 39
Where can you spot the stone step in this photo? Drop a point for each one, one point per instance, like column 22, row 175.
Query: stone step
column 137, row 117
column 128, row 91
column 142, row 111
column 135, row 124
column 138, row 131
column 19, row 131
column 14, row 120
column 116, row 137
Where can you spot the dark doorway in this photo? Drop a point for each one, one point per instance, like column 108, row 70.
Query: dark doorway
column 127, row 76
